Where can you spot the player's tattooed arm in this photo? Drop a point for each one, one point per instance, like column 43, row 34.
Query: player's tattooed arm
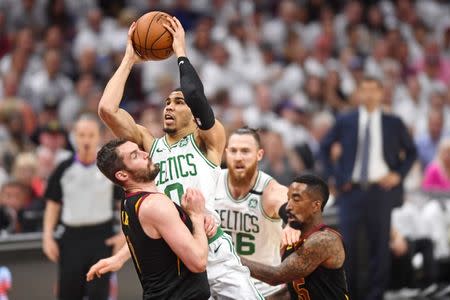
column 320, row 248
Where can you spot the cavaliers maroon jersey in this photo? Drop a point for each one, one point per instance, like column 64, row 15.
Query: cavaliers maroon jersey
column 162, row 274
column 323, row 283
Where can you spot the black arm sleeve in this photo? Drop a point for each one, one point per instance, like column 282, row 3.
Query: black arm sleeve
column 194, row 95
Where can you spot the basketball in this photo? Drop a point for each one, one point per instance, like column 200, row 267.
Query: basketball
column 151, row 40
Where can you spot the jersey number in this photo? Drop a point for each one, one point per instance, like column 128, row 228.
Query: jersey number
column 302, row 293
column 243, row 243
column 174, row 191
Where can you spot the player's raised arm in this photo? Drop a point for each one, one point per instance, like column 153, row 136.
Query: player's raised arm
column 211, row 132
column 117, row 119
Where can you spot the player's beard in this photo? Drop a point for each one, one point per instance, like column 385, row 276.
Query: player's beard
column 145, row 175
column 296, row 223
column 169, row 130
column 243, row 178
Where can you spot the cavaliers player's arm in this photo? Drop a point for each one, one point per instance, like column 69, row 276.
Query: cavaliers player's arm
column 117, row 119
column 160, row 219
column 211, row 134
column 321, row 249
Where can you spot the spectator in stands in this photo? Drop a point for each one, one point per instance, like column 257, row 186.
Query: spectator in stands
column 437, row 173
column 74, row 103
column 368, row 175
column 14, row 199
column 16, row 139
column 24, row 170
column 48, row 86
column 427, row 142
column 281, row 162
column 11, row 102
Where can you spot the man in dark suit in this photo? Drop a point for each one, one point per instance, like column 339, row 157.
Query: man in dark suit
column 375, row 154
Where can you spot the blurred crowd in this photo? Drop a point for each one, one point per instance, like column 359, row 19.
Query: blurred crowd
column 286, row 67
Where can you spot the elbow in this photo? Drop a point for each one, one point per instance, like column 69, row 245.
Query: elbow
column 105, row 111
column 199, row 266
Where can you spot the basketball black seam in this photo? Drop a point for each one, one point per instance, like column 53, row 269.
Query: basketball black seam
column 148, row 29
column 153, row 54
column 151, row 47
column 161, row 48
column 139, row 39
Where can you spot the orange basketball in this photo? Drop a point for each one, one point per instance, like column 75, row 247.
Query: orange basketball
column 151, row 40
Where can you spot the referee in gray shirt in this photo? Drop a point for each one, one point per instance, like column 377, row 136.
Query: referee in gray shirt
column 81, row 198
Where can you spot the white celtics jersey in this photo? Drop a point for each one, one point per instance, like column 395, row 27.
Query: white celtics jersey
column 255, row 235
column 183, row 166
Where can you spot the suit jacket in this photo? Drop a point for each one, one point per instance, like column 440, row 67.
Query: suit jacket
column 399, row 151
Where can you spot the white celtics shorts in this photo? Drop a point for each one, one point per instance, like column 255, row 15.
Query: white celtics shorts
column 266, row 289
column 227, row 277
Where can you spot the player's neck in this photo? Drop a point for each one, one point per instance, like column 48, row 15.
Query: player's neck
column 172, row 138
column 306, row 230
column 135, row 187
column 239, row 188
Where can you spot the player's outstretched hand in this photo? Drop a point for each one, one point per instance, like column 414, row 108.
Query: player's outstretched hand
column 103, row 266
column 130, row 53
column 176, row 29
column 289, row 236
column 193, row 202
column 210, row 226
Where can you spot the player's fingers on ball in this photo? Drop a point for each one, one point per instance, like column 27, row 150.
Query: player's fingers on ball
column 177, row 21
column 171, row 23
column 170, row 29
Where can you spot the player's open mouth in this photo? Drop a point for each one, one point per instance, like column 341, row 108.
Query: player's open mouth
column 168, row 119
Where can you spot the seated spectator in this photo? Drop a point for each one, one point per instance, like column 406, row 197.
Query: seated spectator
column 437, row 173
column 428, row 141
column 14, row 197
column 5, row 282
column 403, row 272
column 279, row 161
column 25, row 171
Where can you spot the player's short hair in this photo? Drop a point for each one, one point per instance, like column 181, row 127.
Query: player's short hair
column 316, row 186
column 109, row 161
column 249, row 131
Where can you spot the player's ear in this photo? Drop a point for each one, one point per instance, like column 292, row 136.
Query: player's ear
column 260, row 154
column 121, row 175
column 318, row 205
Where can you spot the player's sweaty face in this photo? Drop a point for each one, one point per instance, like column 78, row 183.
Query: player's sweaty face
column 242, row 155
column 300, row 208
column 133, row 157
column 176, row 113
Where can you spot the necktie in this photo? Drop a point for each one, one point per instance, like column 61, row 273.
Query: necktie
column 364, row 176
